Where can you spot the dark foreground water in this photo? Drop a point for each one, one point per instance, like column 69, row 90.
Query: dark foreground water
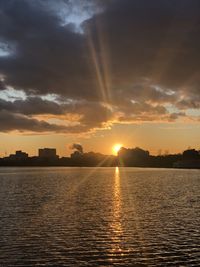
column 99, row 217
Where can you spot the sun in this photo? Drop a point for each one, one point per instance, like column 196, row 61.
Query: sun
column 116, row 148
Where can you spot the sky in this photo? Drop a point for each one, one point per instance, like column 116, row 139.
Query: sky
column 99, row 72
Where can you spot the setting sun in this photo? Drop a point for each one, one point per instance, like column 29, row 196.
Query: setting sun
column 116, row 148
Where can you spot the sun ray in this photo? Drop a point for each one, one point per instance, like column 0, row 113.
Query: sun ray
column 99, row 57
column 88, row 175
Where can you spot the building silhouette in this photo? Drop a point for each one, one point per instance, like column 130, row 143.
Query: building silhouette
column 47, row 153
column 19, row 155
column 127, row 157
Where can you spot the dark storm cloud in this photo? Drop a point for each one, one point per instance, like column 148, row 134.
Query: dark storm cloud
column 11, row 122
column 126, row 63
column 2, row 85
column 48, row 57
column 31, row 106
column 90, row 114
column 157, row 40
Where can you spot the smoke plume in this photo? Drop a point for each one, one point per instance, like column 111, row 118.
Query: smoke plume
column 77, row 147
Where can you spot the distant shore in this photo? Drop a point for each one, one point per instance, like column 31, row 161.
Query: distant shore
column 127, row 157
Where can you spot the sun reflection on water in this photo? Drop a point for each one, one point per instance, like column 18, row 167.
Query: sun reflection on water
column 116, row 224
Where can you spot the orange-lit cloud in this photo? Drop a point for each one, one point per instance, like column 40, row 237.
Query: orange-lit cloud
column 118, row 62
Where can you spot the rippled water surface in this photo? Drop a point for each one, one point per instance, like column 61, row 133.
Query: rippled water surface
column 99, row 217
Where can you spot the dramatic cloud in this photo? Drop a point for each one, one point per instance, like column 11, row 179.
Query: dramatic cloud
column 2, row 85
column 11, row 122
column 116, row 61
column 31, row 106
column 79, row 116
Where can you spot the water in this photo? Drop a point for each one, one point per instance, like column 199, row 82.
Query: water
column 99, row 217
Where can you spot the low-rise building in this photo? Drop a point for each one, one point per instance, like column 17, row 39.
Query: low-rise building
column 47, row 153
column 19, row 155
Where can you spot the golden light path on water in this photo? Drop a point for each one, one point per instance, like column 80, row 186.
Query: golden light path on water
column 116, row 225
column 119, row 236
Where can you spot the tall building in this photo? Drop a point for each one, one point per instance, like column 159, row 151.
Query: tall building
column 48, row 153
